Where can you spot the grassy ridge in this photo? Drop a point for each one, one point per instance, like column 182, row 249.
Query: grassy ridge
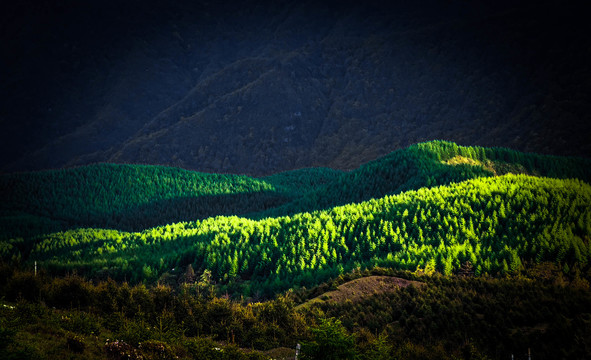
column 497, row 224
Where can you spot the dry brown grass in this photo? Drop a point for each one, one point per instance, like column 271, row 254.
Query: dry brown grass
column 362, row 288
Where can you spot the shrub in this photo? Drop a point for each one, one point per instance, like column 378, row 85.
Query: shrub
column 330, row 340
column 81, row 323
column 23, row 285
column 71, row 291
column 75, row 343
column 153, row 349
column 6, row 337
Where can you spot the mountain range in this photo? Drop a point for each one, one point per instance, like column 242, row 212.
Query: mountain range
column 257, row 87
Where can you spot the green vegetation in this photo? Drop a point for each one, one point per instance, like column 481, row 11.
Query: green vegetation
column 427, row 165
column 131, row 197
column 460, row 213
column 483, row 230
column 497, row 224
column 136, row 197
column 454, row 317
column 302, row 181
column 330, row 340
column 69, row 317
column 475, row 317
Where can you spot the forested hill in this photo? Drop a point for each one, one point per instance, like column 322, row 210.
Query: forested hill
column 136, row 197
column 434, row 205
column 130, row 196
column 497, row 225
column 431, row 164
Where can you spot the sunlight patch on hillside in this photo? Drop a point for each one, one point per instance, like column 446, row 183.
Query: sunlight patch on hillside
column 498, row 168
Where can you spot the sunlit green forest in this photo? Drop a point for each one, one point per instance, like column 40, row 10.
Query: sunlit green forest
column 497, row 224
column 188, row 262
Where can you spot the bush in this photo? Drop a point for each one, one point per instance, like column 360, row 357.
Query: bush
column 81, row 323
column 154, row 349
column 330, row 340
column 6, row 337
column 23, row 285
column 75, row 343
column 29, row 313
column 207, row 349
column 135, row 331
column 203, row 348
column 72, row 292
column 114, row 321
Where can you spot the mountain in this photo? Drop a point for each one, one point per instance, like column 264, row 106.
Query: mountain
column 262, row 87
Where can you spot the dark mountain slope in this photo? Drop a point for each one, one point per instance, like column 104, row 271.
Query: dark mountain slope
column 257, row 88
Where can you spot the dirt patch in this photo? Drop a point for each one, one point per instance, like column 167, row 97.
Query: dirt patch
column 281, row 353
column 362, row 288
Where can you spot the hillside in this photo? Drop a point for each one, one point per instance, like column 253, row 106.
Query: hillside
column 430, row 164
column 434, row 205
column 136, row 197
column 435, row 251
column 131, row 197
column 539, row 310
column 498, row 224
column 257, row 87
column 444, row 318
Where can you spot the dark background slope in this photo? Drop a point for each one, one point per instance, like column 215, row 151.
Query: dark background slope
column 259, row 87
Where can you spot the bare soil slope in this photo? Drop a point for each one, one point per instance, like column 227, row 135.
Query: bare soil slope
column 362, row 288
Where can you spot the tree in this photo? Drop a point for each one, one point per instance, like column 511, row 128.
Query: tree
column 205, row 284
column 147, row 272
column 190, row 274
column 467, row 269
column 330, row 340
column 379, row 349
